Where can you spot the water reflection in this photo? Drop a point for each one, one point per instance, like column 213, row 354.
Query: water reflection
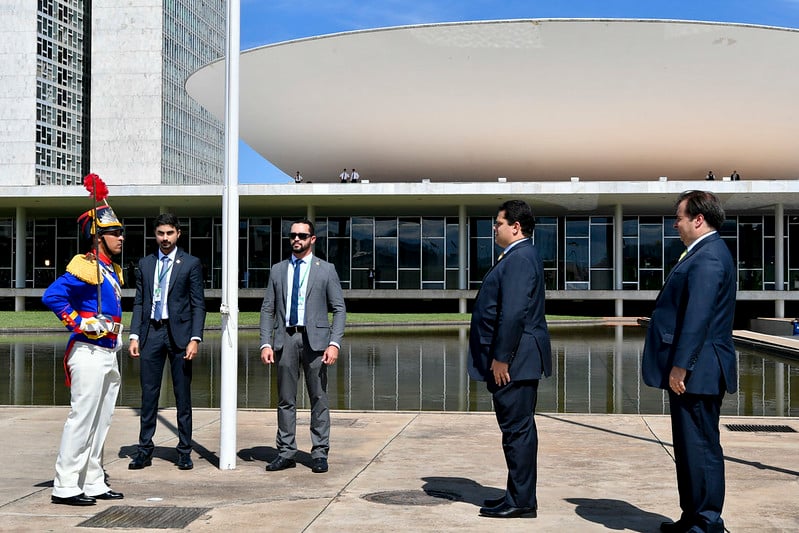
column 597, row 370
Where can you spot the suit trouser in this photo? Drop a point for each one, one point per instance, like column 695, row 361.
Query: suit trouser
column 295, row 353
column 514, row 407
column 93, row 394
column 699, row 458
column 159, row 346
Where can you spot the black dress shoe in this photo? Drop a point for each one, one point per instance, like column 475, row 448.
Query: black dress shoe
column 281, row 463
column 494, row 502
column 80, row 499
column 505, row 510
column 319, row 465
column 184, row 461
column 140, row 460
column 110, row 495
column 674, row 527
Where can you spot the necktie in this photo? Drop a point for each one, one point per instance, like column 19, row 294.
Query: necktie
column 682, row 255
column 161, row 276
column 500, row 257
column 295, row 294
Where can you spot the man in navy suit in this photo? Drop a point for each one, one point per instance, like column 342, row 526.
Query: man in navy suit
column 689, row 351
column 510, row 350
column 168, row 321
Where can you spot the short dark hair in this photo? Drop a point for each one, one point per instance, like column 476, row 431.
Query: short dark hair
column 166, row 219
column 705, row 203
column 305, row 221
column 519, row 211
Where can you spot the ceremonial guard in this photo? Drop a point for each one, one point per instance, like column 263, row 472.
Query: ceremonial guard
column 88, row 300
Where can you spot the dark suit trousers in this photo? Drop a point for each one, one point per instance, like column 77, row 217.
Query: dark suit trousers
column 514, row 406
column 699, row 458
column 297, row 353
column 157, row 348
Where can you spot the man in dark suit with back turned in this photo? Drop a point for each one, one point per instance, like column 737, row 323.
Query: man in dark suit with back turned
column 689, row 351
column 168, row 321
column 510, row 350
column 296, row 333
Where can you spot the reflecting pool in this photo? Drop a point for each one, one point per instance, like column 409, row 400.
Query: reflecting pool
column 597, row 369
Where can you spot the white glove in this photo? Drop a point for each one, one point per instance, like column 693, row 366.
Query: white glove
column 97, row 326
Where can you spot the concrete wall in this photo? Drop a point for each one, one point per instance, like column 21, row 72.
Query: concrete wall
column 18, row 94
column 126, row 110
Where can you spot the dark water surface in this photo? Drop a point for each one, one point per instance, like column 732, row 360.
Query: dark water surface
column 597, row 370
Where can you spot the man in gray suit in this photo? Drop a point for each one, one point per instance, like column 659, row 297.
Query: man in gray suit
column 296, row 332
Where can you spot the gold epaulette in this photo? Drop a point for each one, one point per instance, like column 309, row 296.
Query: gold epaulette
column 118, row 270
column 84, row 268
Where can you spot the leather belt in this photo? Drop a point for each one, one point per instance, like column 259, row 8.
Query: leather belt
column 116, row 329
column 162, row 322
column 291, row 330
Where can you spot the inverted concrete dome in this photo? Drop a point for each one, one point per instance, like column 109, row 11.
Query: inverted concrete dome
column 528, row 100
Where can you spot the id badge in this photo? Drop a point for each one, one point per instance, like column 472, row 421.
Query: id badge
column 157, row 294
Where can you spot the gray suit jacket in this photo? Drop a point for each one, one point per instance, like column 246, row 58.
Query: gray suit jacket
column 322, row 294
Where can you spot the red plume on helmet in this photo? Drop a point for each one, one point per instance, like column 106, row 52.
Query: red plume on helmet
column 96, row 187
column 101, row 217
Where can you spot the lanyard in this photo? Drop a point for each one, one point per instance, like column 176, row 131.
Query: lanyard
column 160, row 270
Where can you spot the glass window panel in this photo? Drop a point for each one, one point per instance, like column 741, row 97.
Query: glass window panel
column 433, row 259
column 576, row 227
column 338, row 227
column 630, row 259
column 576, row 259
column 482, row 227
column 546, row 221
column 360, row 279
column 481, row 258
column 729, row 228
column 410, row 243
column 433, row 226
column 546, row 242
column 362, row 246
column 601, row 244
column 385, row 227
column 259, row 250
column 66, row 249
column 409, row 279
column 386, row 259
column 651, row 280
column 651, row 246
column 452, row 246
column 44, row 245
column 601, row 279
column 6, row 247
column 551, row 280
column 750, row 245
column 750, row 280
column 769, row 254
column 601, row 220
column 630, row 227
column 339, row 250
column 673, row 250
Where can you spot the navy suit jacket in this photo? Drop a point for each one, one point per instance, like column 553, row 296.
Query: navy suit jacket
column 185, row 302
column 691, row 326
column 508, row 322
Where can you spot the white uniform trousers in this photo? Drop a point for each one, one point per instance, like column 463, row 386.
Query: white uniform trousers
column 95, row 385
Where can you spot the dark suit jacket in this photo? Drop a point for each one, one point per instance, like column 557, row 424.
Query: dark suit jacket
column 322, row 294
column 185, row 304
column 508, row 322
column 691, row 326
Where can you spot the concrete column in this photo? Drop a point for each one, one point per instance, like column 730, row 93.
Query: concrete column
column 463, row 255
column 310, row 213
column 779, row 259
column 618, row 256
column 19, row 263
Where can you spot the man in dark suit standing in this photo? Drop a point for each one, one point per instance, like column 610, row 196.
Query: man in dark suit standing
column 168, row 321
column 689, row 351
column 296, row 333
column 510, row 350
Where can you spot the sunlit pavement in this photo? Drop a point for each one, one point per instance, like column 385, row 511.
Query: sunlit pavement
column 403, row 471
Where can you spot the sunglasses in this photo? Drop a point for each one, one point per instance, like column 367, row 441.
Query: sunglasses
column 302, row 236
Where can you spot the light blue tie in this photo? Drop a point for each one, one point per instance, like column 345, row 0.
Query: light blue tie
column 161, row 276
column 295, row 294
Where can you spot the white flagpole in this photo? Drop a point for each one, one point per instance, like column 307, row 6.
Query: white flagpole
column 230, row 246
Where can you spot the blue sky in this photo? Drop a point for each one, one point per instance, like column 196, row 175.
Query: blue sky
column 271, row 21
